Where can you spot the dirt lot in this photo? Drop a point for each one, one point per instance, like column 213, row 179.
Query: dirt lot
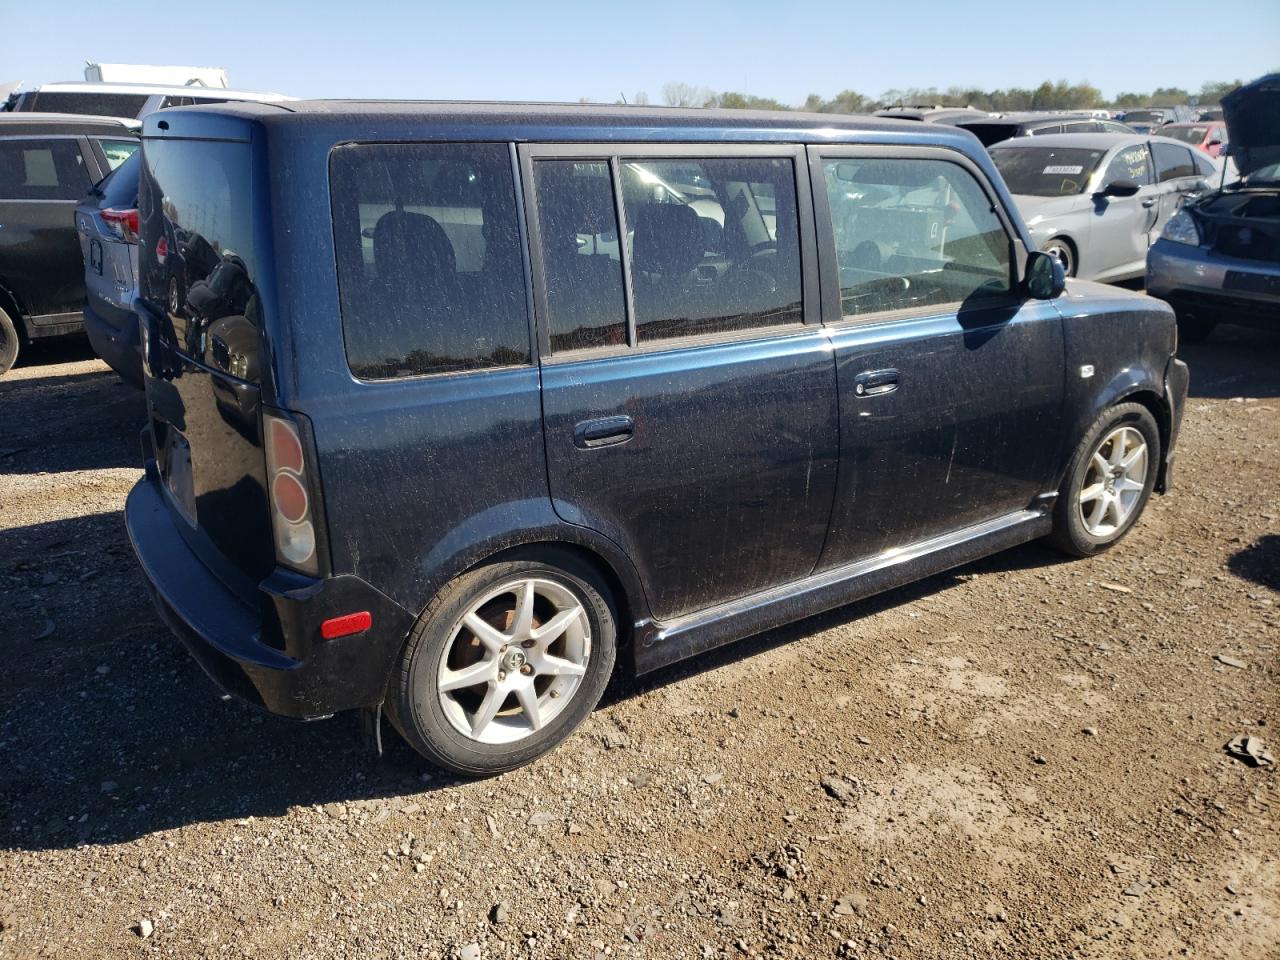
column 1022, row 758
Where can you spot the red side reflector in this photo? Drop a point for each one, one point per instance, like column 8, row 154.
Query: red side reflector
column 346, row 625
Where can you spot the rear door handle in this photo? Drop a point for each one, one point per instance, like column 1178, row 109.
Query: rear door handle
column 603, row 432
column 873, row 383
column 1150, row 203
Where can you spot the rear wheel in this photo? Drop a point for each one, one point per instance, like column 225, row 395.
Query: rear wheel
column 1061, row 248
column 1109, row 480
column 504, row 664
column 8, row 342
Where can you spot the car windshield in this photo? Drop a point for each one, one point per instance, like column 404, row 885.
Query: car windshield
column 1268, row 174
column 1185, row 134
column 1046, row 171
column 1144, row 116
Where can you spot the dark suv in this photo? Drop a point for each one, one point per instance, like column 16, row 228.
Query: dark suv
column 47, row 163
column 465, row 400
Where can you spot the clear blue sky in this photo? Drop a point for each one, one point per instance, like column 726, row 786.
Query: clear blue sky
column 563, row 51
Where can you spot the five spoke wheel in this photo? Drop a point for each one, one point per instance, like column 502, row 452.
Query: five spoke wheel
column 1114, row 481
column 514, row 660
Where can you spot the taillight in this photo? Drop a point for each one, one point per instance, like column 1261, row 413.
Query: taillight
column 287, row 479
column 123, row 223
column 162, row 249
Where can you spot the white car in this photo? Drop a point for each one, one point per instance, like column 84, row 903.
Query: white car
column 130, row 100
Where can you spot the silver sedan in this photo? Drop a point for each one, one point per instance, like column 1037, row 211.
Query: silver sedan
column 1098, row 201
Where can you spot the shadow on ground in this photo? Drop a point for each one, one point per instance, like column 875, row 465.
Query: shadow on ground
column 1259, row 562
column 1235, row 362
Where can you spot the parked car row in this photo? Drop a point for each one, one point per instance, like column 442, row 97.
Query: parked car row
column 68, row 216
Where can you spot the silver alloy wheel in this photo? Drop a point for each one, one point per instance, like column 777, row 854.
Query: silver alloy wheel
column 1114, row 481
column 1059, row 250
column 514, row 660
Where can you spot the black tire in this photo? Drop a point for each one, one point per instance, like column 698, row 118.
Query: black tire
column 8, row 342
column 1069, row 531
column 1065, row 251
column 1194, row 329
column 413, row 704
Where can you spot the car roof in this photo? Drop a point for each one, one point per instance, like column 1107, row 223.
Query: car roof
column 152, row 89
column 12, row 124
column 583, row 122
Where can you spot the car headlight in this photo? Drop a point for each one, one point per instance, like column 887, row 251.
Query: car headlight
column 1182, row 228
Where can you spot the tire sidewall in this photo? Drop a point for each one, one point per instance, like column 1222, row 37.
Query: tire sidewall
column 8, row 342
column 1070, row 523
column 417, row 711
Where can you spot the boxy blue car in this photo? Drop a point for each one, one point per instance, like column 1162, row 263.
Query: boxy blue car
column 465, row 402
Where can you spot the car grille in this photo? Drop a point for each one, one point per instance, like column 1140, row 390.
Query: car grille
column 1246, row 242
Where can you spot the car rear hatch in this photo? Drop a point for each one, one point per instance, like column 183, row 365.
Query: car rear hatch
column 204, row 258
column 107, row 224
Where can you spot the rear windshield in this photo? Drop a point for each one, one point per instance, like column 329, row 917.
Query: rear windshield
column 430, row 271
column 1046, row 171
column 990, row 133
column 1185, row 134
column 120, row 187
column 86, row 104
column 197, row 260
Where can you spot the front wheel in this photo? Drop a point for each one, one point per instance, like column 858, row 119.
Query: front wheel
column 504, row 664
column 8, row 342
column 1065, row 253
column 1108, row 482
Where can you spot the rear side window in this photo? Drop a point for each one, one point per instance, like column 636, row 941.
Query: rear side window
column 120, row 187
column 715, row 245
column 1172, row 162
column 87, row 104
column 1041, row 131
column 42, row 170
column 1204, row 166
column 912, row 233
column 430, row 273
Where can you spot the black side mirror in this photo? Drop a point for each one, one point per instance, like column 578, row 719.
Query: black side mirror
column 1118, row 188
column 1046, row 279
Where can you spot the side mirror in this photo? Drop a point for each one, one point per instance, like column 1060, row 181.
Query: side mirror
column 1045, row 277
column 1118, row 188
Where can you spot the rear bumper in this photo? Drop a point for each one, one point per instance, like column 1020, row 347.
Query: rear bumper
column 115, row 340
column 273, row 656
column 1214, row 286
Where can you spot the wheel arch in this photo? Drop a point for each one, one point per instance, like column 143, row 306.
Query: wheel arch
column 11, row 305
column 1158, row 405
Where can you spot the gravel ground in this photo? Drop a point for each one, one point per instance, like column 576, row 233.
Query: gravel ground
column 1022, row 758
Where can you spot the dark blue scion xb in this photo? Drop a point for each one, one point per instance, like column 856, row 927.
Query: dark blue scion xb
column 450, row 404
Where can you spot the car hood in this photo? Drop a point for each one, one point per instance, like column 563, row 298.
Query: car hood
column 1252, row 114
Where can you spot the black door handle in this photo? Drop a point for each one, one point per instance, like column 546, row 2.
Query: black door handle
column 873, row 383
column 603, row 432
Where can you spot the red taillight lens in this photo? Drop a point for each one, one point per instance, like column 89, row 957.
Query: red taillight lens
column 291, row 519
column 162, row 249
column 288, row 495
column 123, row 223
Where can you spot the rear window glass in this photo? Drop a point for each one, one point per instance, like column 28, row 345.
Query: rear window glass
column 42, row 170
column 197, row 259
column 1193, row 135
column 87, row 104
column 430, row 272
column 1046, row 171
column 714, row 245
column 118, row 151
column 120, row 187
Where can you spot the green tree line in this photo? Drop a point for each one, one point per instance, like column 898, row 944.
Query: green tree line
column 1048, row 96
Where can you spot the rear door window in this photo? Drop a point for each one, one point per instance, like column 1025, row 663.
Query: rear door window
column 42, row 170
column 1172, row 161
column 118, row 151
column 1131, row 163
column 913, row 233
column 430, row 271
column 714, row 245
